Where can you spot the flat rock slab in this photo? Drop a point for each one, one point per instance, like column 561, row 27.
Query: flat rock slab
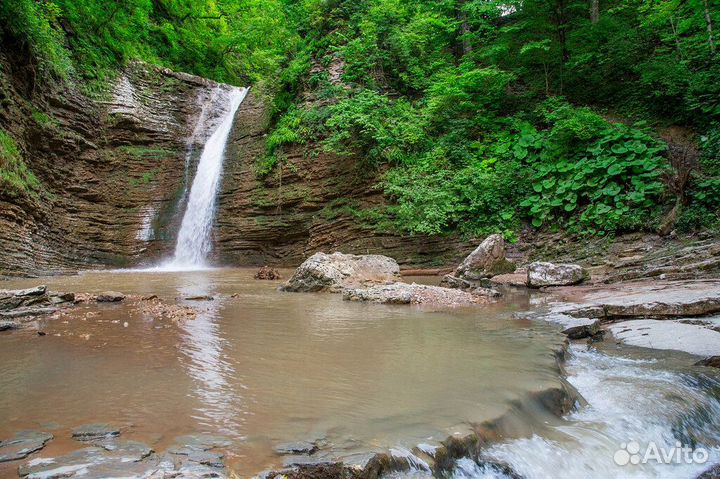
column 202, row 442
column 654, row 300
column 36, row 291
column 124, row 459
column 403, row 293
column 27, row 311
column 668, row 334
column 91, row 432
column 23, row 444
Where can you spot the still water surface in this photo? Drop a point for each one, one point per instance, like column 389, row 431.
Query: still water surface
column 265, row 367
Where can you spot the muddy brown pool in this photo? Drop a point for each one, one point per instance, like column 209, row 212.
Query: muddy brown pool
column 264, row 367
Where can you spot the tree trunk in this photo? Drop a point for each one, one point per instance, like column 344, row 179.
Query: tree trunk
column 594, row 11
column 678, row 45
column 464, row 27
column 708, row 21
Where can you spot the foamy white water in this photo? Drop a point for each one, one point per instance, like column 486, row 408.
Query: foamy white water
column 194, row 238
column 628, row 400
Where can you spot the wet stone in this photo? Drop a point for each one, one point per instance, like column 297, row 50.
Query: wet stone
column 583, row 331
column 712, row 361
column 203, row 442
column 298, row 447
column 110, row 297
column 36, row 291
column 23, row 444
column 199, row 298
column 27, row 311
column 126, row 451
column 91, row 432
column 8, row 325
column 307, row 460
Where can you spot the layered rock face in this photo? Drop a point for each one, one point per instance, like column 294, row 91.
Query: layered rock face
column 301, row 208
column 112, row 168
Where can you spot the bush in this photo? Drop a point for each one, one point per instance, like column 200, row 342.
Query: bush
column 15, row 177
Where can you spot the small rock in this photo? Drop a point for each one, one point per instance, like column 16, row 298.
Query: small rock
column 36, row 291
column 91, row 432
column 267, row 273
column 199, row 298
column 109, row 297
column 712, row 361
column 298, row 447
column 8, row 325
column 583, row 331
column 542, row 274
column 41, row 333
column 149, row 298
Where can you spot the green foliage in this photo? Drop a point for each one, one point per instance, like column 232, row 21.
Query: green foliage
column 227, row 40
column 43, row 119
column 379, row 129
column 16, row 178
column 35, row 25
column 703, row 209
column 598, row 181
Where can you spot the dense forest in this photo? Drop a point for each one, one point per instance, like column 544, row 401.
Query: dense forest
column 594, row 117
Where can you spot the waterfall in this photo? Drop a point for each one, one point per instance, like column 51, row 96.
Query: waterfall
column 194, row 238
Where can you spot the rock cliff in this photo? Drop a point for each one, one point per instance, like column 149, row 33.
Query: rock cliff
column 115, row 168
column 112, row 167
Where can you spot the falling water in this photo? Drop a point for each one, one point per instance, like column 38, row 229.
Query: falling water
column 193, row 243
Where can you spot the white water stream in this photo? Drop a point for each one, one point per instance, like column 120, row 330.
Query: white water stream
column 194, row 238
column 633, row 405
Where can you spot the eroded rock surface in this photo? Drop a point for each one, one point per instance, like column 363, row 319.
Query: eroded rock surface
column 191, row 458
column 23, row 444
column 541, row 274
column 18, row 307
column 403, row 293
column 336, row 272
column 91, row 432
column 652, row 300
column 668, row 334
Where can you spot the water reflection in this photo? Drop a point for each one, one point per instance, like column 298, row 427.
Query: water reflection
column 206, row 363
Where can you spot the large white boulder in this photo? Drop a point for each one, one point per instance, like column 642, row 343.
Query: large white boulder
column 336, row 272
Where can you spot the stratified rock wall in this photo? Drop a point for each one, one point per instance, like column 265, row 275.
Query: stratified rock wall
column 302, row 207
column 112, row 168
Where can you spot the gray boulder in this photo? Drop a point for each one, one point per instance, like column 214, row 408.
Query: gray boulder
column 541, row 274
column 486, row 261
column 337, row 271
